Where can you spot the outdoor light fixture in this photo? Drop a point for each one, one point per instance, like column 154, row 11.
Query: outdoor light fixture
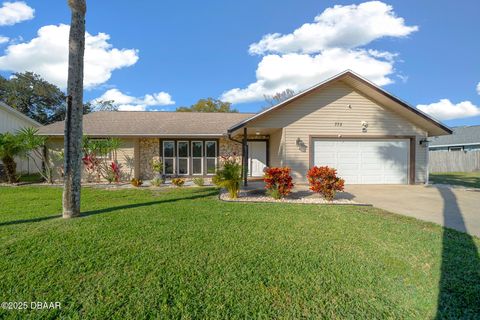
column 424, row 142
column 301, row 145
column 257, row 133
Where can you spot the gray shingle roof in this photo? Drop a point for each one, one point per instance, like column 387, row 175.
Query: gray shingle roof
column 152, row 123
column 461, row 135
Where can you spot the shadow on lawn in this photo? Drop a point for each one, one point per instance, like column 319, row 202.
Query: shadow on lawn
column 459, row 287
column 111, row 209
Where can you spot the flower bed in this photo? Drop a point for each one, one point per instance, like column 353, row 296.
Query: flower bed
column 304, row 197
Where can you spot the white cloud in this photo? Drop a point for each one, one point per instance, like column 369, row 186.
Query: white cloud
column 15, row 12
column 331, row 44
column 300, row 71
column 47, row 55
column 478, row 88
column 446, row 110
column 4, row 39
column 130, row 103
column 345, row 27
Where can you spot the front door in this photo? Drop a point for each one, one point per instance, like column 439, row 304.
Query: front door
column 257, row 158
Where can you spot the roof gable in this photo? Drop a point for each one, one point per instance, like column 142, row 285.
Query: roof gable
column 434, row 127
column 18, row 114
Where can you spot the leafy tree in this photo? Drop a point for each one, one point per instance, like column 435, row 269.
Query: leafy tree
column 40, row 100
column 11, row 146
column 277, row 97
column 100, row 105
column 73, row 120
column 208, row 105
column 33, row 96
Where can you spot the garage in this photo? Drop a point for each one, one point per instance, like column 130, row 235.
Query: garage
column 365, row 161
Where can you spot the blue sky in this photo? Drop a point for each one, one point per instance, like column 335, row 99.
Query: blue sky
column 176, row 52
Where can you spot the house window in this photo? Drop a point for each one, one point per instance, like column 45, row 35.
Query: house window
column 211, row 156
column 182, row 154
column 197, row 157
column 455, row 149
column 187, row 157
column 168, row 157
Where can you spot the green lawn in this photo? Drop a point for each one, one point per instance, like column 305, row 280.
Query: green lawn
column 182, row 253
column 466, row 179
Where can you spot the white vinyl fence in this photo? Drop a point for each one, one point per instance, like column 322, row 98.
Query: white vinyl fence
column 454, row 161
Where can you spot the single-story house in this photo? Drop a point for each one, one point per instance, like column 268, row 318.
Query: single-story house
column 12, row 120
column 346, row 122
column 465, row 138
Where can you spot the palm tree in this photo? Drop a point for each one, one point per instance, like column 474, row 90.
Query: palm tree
column 10, row 147
column 73, row 120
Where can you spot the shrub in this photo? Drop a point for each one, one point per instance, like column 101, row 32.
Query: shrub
column 229, row 177
column 157, row 182
column 113, row 172
column 324, row 181
column 278, row 182
column 199, row 181
column 179, row 182
column 136, row 182
column 157, row 166
column 97, row 154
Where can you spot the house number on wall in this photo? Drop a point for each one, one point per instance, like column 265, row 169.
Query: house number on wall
column 338, row 124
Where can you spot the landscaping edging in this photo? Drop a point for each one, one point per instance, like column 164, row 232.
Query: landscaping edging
column 253, row 197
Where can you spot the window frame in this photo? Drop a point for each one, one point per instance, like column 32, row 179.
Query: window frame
column 209, row 158
column 192, row 157
column 203, row 141
column 165, row 158
column 183, row 158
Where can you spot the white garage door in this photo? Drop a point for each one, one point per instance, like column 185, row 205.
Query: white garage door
column 365, row 161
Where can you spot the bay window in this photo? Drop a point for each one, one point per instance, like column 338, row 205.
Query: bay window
column 189, row 157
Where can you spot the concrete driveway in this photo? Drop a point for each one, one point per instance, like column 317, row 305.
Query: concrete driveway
column 456, row 208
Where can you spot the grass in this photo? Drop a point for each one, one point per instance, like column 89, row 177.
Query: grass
column 182, row 253
column 466, row 179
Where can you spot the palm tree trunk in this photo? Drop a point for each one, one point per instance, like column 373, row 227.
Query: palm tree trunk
column 73, row 120
column 10, row 169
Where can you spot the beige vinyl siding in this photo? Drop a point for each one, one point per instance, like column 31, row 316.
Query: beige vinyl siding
column 276, row 148
column 125, row 157
column 10, row 122
column 335, row 110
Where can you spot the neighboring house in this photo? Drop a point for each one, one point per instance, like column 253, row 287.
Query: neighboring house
column 12, row 120
column 345, row 122
column 465, row 138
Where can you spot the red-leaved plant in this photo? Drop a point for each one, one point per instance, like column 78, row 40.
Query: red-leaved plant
column 324, row 180
column 278, row 182
column 115, row 169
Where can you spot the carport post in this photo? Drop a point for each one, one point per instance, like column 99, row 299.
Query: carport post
column 245, row 157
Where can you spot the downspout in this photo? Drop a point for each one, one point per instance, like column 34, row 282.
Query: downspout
column 427, row 174
column 245, row 157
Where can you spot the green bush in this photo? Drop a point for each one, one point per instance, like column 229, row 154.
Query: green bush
column 199, row 181
column 157, row 182
column 229, row 177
